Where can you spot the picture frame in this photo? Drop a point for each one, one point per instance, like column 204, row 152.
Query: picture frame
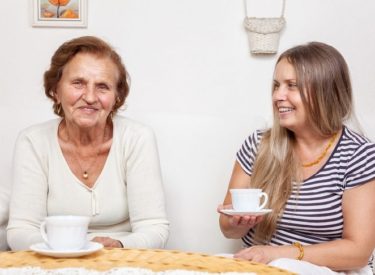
column 59, row 13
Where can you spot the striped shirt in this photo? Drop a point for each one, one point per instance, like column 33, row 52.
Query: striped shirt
column 315, row 214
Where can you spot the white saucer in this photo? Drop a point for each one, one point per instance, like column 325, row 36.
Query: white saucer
column 43, row 249
column 233, row 212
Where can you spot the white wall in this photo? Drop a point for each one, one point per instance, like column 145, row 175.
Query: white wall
column 193, row 81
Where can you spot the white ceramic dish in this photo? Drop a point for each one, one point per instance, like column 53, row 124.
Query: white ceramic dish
column 43, row 249
column 232, row 212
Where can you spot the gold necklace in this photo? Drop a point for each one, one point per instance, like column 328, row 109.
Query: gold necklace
column 85, row 172
column 322, row 155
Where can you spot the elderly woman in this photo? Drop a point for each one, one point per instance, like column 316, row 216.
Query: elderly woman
column 319, row 174
column 90, row 161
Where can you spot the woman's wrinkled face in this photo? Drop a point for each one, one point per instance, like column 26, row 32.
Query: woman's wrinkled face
column 286, row 97
column 87, row 90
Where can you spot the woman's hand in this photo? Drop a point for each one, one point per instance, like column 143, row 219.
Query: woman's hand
column 260, row 253
column 235, row 227
column 245, row 221
column 108, row 242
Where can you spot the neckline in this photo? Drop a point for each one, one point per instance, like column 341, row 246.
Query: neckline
column 340, row 137
column 65, row 163
column 322, row 154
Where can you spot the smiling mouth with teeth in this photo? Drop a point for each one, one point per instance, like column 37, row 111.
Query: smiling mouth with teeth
column 285, row 109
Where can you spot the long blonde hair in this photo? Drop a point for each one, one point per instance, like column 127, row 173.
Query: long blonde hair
column 324, row 84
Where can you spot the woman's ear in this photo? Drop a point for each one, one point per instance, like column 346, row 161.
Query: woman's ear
column 55, row 96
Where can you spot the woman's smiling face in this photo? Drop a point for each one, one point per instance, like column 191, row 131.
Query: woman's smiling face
column 87, row 90
column 286, row 97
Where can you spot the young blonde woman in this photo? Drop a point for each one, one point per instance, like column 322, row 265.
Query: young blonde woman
column 319, row 174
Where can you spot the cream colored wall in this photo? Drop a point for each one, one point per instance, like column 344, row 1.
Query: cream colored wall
column 193, row 81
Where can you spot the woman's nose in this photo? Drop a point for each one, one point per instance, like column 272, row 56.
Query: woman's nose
column 280, row 93
column 89, row 94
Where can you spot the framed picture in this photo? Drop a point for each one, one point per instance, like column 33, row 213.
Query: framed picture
column 60, row 13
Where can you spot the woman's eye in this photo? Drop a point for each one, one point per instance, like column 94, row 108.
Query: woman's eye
column 292, row 85
column 103, row 87
column 78, row 84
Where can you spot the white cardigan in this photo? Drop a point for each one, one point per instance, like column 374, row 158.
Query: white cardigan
column 4, row 203
column 126, row 202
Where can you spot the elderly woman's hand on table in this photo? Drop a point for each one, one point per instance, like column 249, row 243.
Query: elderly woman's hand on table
column 108, row 242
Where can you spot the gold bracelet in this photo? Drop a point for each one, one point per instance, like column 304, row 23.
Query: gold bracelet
column 301, row 250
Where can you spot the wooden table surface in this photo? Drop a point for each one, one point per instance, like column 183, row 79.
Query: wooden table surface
column 153, row 259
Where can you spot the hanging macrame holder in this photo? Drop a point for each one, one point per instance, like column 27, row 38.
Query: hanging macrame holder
column 264, row 33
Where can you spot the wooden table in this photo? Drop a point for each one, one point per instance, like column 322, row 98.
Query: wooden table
column 153, row 259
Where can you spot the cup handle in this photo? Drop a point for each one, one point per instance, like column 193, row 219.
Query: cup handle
column 263, row 194
column 43, row 232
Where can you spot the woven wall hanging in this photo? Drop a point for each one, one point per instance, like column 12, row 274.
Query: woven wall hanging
column 264, row 33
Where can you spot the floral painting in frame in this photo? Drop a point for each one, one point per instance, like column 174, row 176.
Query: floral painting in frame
column 60, row 13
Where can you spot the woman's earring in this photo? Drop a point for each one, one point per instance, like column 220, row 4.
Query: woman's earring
column 58, row 108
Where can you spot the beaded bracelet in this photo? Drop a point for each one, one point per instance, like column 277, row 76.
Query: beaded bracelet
column 301, row 250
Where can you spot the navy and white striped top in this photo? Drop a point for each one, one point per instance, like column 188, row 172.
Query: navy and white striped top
column 315, row 215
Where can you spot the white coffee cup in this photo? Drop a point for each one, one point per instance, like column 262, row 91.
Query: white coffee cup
column 248, row 199
column 65, row 232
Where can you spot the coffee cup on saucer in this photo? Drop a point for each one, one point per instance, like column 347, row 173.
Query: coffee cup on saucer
column 248, row 199
column 65, row 233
